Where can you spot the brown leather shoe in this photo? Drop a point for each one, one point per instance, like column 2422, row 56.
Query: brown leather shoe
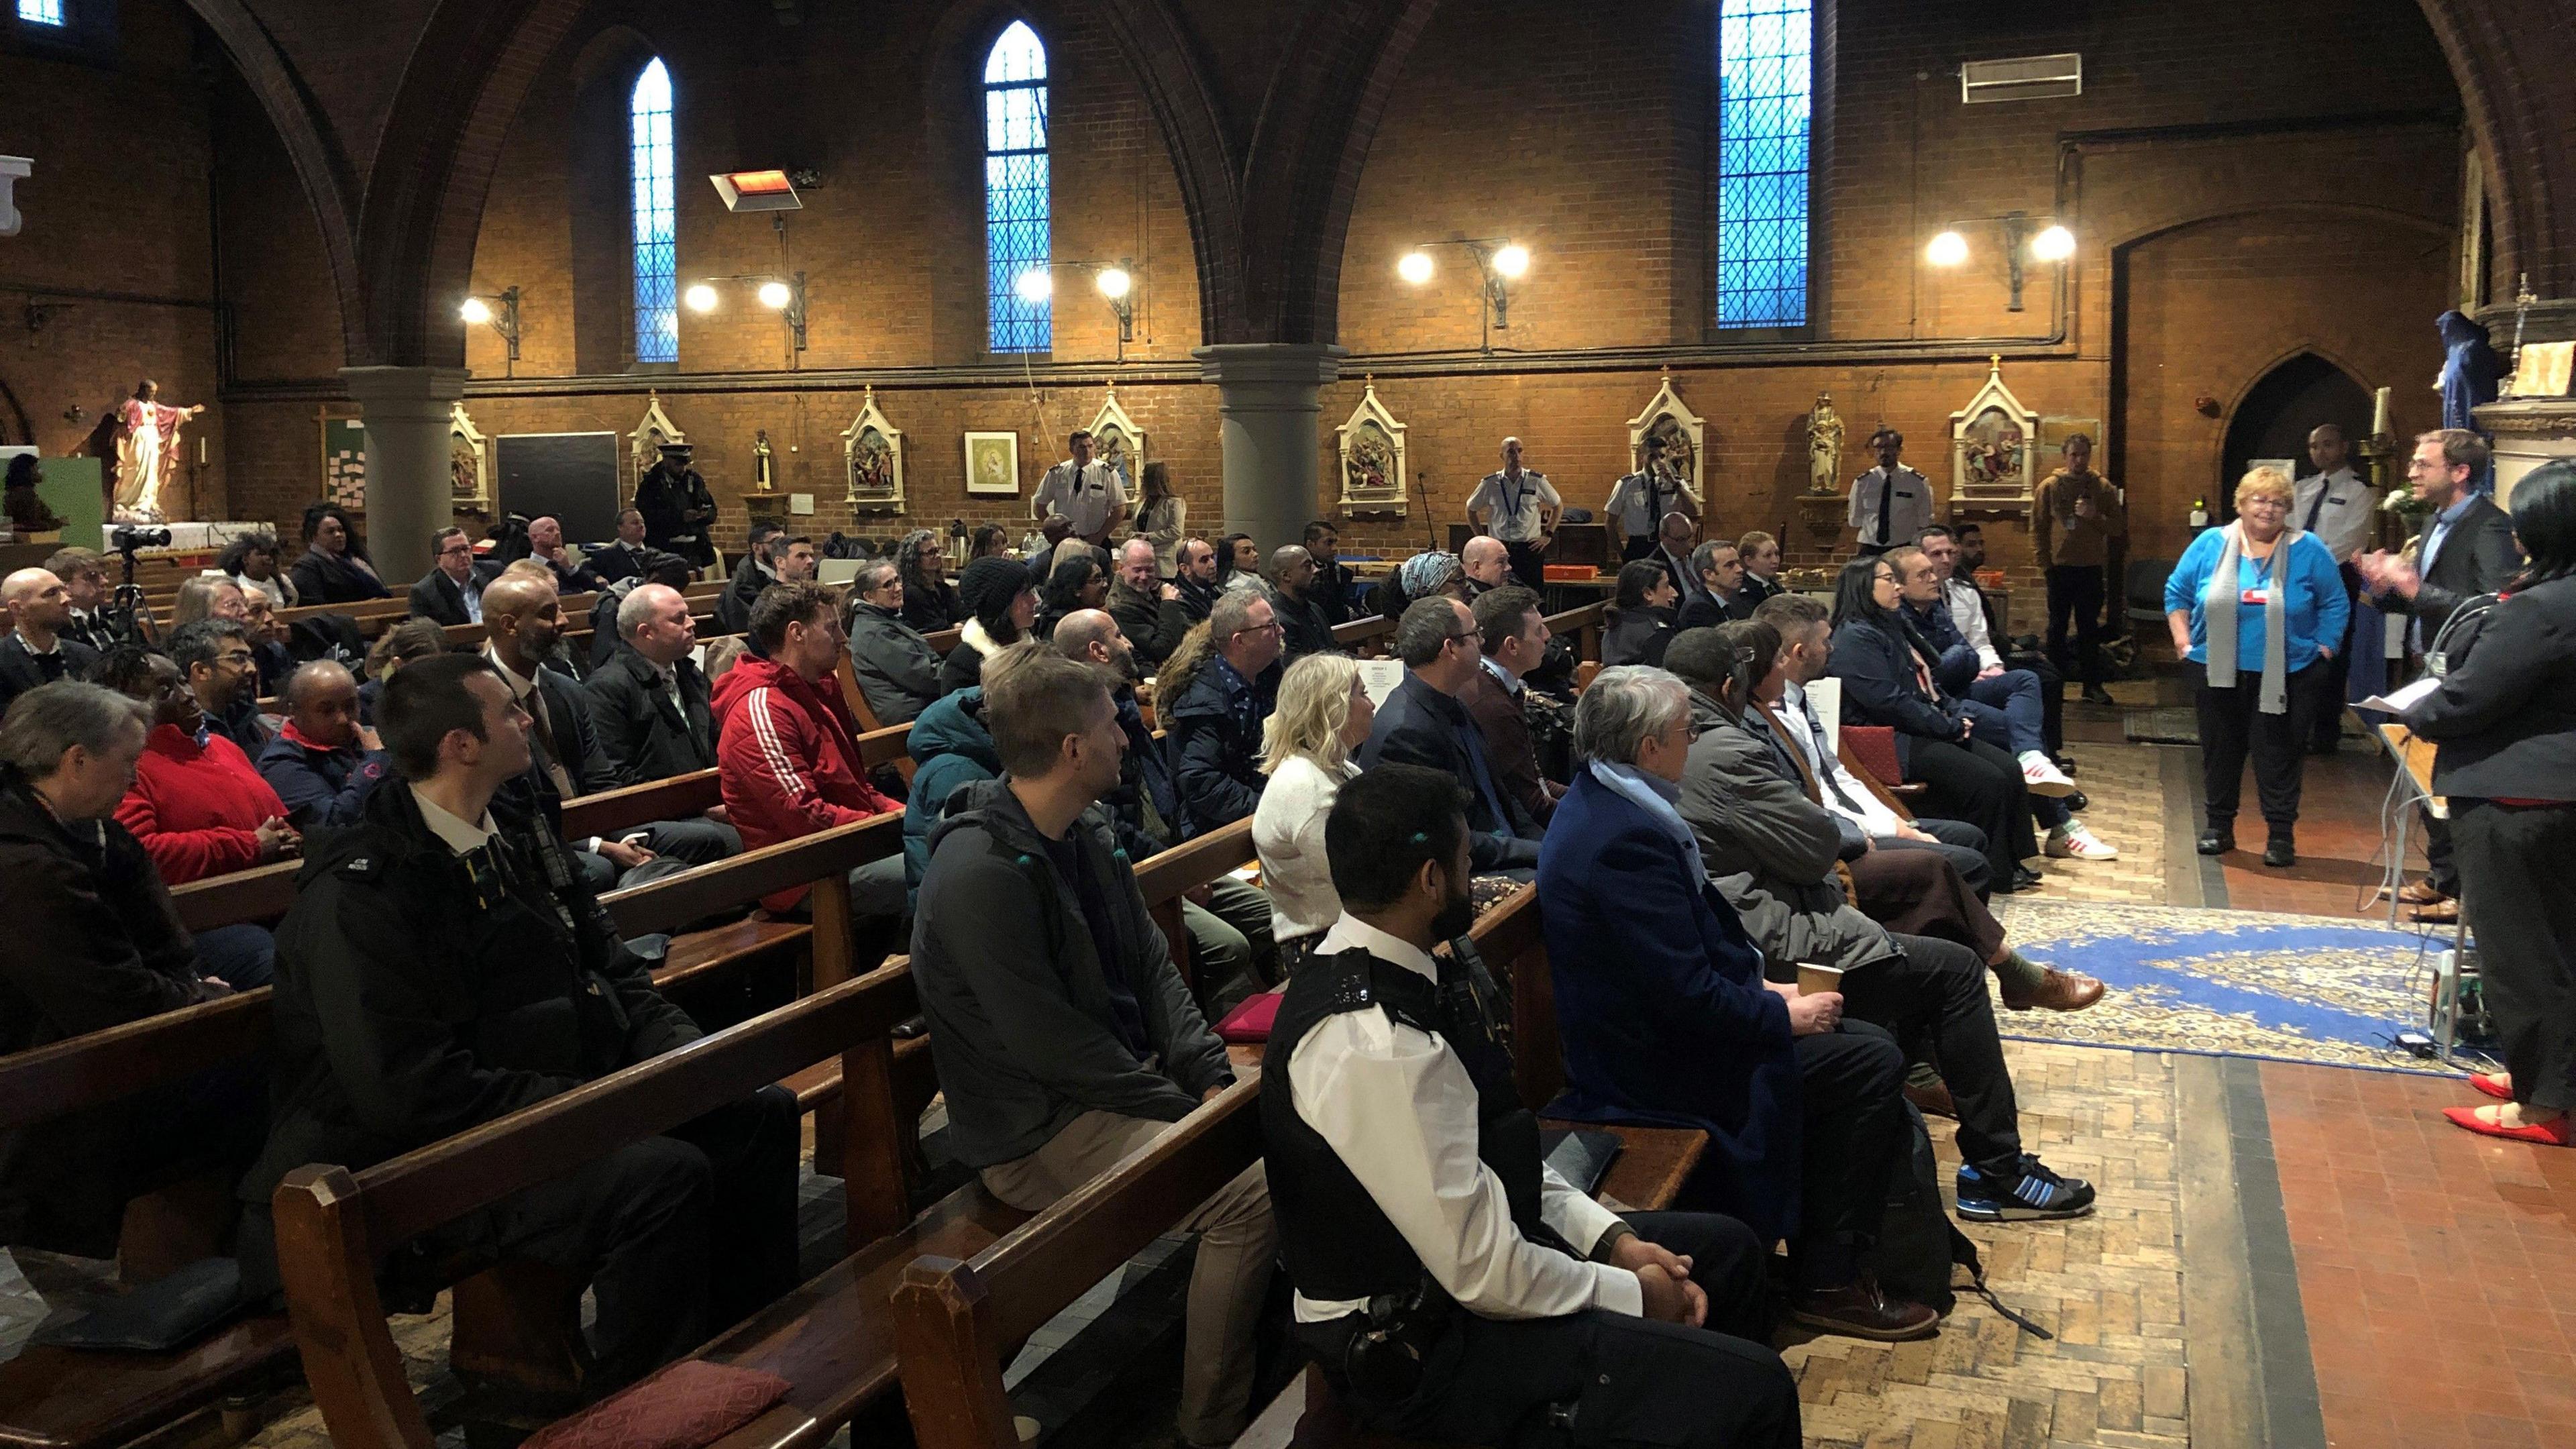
column 1932, row 1099
column 1861, row 1310
column 2439, row 913
column 2057, row 991
column 2421, row 892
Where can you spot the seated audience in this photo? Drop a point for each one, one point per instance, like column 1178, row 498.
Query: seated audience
column 451, row 593
column 196, row 803
column 1196, row 581
column 1990, row 651
column 755, row 571
column 649, row 702
column 1303, row 629
column 1419, row 577
column 39, row 648
column 215, row 656
column 1663, row 1015
column 411, row 639
column 208, row 596
column 1238, row 564
column 252, row 561
column 1211, row 699
column 1323, row 717
column 323, row 763
column 442, row 968
column 2260, row 607
column 1721, row 595
column 1641, row 616
column 333, row 570
column 950, row 747
column 1064, row 1038
column 94, row 623
column 787, row 751
column 1333, row 579
column 624, row 558
column 95, row 942
column 667, row 569
column 1077, row 582
column 1761, row 555
column 930, row 602
column 1513, row 636
column 1486, row 562
column 1001, row 600
column 898, row 671
column 268, row 649
column 1673, row 548
column 1423, row 723
column 2012, row 694
column 546, row 546
column 1149, row 612
column 1806, row 648
column 988, row 540
column 1412, row 1199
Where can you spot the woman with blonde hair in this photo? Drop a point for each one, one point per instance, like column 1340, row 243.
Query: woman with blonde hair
column 2257, row 595
column 1306, row 746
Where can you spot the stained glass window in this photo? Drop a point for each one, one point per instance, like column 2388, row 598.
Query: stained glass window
column 657, row 311
column 41, row 12
column 1764, row 80
column 1015, row 192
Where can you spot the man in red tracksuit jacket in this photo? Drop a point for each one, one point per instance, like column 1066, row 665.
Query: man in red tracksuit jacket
column 787, row 751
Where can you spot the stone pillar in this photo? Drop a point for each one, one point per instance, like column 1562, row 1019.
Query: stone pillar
column 409, row 493
column 1266, row 412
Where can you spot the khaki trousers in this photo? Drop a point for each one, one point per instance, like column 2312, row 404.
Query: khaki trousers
column 1238, row 1243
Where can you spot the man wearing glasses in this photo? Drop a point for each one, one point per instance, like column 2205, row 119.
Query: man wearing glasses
column 1214, row 722
column 1423, row 723
column 452, row 591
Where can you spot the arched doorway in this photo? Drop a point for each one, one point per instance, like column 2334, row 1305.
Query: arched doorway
column 2278, row 412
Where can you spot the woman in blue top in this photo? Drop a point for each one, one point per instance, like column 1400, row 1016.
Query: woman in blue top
column 2255, row 603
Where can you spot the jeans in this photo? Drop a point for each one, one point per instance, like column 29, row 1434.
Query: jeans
column 241, row 957
column 1934, row 1001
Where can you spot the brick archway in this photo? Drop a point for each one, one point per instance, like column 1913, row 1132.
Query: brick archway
column 2516, row 66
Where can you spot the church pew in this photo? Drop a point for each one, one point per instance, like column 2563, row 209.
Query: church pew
column 1584, row 626
column 1367, row 637
column 1166, row 878
column 958, row 1322
column 944, row 640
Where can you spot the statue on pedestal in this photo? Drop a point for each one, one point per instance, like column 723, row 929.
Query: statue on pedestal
column 147, row 452
column 1824, row 447
column 764, row 464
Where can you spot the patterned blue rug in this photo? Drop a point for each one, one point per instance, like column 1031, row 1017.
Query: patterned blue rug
column 2326, row 990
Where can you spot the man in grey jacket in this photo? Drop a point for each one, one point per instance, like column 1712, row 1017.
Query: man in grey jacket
column 898, row 670
column 1064, row 1038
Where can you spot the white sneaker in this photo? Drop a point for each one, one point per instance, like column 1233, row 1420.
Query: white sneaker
column 2043, row 777
column 2071, row 841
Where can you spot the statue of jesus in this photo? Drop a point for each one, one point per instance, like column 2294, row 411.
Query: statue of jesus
column 147, row 452
column 1824, row 447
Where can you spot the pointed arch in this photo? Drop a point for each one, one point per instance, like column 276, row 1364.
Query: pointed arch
column 654, row 210
column 1018, row 196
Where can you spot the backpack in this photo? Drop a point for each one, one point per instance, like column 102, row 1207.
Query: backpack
column 1918, row 1246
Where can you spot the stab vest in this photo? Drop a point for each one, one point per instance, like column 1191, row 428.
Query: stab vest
column 1337, row 1243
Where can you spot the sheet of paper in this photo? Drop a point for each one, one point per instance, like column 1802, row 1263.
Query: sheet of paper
column 1379, row 677
column 1825, row 702
column 2402, row 700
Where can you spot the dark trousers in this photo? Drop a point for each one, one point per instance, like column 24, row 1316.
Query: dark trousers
column 2002, row 729
column 1956, row 841
column 2441, row 862
column 2327, row 728
column 1528, row 564
column 1637, row 546
column 1934, row 1002
column 1973, row 781
column 1920, row 893
column 2075, row 593
column 1627, row 1380
column 2512, row 865
column 241, row 956
column 678, row 1235
column 2233, row 725
column 1853, row 1126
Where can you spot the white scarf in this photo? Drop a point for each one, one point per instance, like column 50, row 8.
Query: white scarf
column 1656, row 797
column 2218, row 611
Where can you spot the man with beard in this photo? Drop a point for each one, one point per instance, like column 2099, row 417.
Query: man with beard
column 38, row 649
column 1332, row 588
column 215, row 657
column 1303, row 629
column 1197, row 583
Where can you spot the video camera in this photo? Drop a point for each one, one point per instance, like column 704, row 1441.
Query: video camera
column 126, row 540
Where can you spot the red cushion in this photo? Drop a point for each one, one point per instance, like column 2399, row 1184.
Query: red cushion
column 1875, row 747
column 688, row 1404
column 1250, row 1022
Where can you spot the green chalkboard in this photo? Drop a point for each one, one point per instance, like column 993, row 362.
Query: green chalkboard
column 72, row 488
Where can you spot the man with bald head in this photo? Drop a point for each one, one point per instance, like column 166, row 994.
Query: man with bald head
column 1519, row 507
column 323, row 763
column 649, row 701
column 546, row 545
column 1303, row 630
column 38, row 608
column 1487, row 565
column 1149, row 612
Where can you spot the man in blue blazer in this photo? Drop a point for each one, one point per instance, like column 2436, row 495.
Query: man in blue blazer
column 1663, row 1016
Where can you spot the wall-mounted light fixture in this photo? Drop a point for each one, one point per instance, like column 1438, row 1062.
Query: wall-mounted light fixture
column 782, row 295
column 1499, row 260
column 498, row 311
column 1112, row 280
column 2039, row 239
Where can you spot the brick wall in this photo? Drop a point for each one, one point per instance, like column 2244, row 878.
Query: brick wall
column 2212, row 162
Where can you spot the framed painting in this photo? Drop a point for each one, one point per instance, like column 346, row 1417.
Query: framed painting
column 993, row 463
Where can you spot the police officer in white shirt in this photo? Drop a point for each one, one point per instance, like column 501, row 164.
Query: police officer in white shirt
column 1087, row 494
column 2340, row 507
column 1450, row 1285
column 1519, row 508
column 1891, row 502
column 1639, row 502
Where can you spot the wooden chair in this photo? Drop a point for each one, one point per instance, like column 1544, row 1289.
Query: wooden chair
column 1584, row 626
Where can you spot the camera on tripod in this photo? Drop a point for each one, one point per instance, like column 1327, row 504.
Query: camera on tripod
column 126, row 540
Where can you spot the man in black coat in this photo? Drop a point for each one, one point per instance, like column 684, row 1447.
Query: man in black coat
column 623, row 559
column 1332, row 590
column 1303, row 630
column 1212, row 722
column 1148, row 610
column 36, row 651
column 1423, row 723
column 679, row 512
column 437, row 899
column 452, row 591
column 2467, row 550
column 774, row 558
column 649, row 701
column 95, row 942
column 1196, row 580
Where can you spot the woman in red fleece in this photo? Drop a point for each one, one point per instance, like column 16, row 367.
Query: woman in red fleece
column 197, row 804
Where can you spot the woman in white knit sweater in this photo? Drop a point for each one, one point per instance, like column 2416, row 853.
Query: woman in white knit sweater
column 1323, row 715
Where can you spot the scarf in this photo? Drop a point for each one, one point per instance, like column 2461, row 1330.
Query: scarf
column 1656, row 797
column 1424, row 573
column 2218, row 610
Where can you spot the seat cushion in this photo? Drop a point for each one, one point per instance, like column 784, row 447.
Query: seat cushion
column 690, row 1403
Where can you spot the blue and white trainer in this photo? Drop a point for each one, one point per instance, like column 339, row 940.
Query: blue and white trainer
column 2036, row 1193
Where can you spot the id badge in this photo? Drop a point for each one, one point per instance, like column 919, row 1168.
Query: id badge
column 2255, row 597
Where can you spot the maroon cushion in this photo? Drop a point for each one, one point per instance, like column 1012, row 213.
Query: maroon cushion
column 1250, row 1022
column 1874, row 746
column 688, row 1404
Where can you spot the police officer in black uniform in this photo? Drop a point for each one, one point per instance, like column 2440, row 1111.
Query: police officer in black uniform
column 678, row 510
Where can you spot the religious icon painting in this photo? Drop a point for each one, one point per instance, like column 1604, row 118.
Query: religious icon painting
column 1992, row 461
column 872, row 459
column 1372, row 454
column 993, row 463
